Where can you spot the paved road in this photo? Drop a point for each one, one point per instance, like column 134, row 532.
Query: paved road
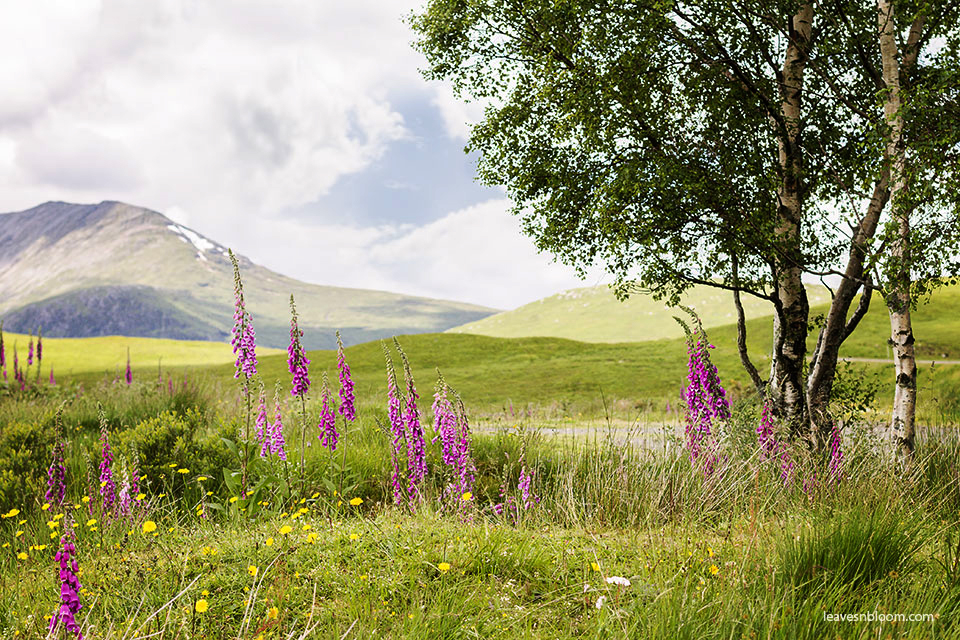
column 890, row 361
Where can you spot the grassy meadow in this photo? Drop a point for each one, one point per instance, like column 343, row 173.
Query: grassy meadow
column 622, row 535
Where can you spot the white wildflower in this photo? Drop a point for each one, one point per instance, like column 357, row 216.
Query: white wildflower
column 623, row 582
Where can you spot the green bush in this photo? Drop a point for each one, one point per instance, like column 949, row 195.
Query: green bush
column 25, row 454
column 182, row 439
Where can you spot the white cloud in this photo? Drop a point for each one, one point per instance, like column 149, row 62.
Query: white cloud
column 226, row 114
column 477, row 254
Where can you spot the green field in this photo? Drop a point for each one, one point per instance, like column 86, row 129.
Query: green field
column 545, row 373
column 72, row 357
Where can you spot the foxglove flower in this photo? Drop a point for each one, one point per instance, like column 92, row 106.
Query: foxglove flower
column 277, row 442
column 243, row 335
column 395, row 416
column 296, row 358
column 263, row 427
column 108, row 490
column 57, row 473
column 30, row 351
column 347, row 401
column 39, row 348
column 53, row 382
column 69, row 588
column 416, row 447
column 328, row 419
column 706, row 401
column 765, row 438
column 129, row 372
column 445, row 423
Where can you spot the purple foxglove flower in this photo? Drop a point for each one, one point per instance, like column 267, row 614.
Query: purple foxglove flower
column 263, row 427
column 395, row 416
column 466, row 469
column 39, row 347
column 53, row 382
column 523, row 486
column 3, row 353
column 277, row 442
column 30, row 351
column 416, row 447
column 328, row 420
column 69, row 588
column 129, row 372
column 765, row 438
column 297, row 361
column 706, row 401
column 108, row 493
column 445, row 423
column 57, row 473
column 243, row 335
column 347, row 402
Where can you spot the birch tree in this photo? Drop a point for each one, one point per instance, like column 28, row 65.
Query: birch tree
column 736, row 145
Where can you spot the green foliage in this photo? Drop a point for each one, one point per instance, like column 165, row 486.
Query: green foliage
column 26, row 450
column 181, row 439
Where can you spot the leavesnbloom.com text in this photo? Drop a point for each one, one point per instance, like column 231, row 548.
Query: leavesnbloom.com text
column 879, row 616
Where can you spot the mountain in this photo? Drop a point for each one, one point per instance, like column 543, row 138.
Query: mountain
column 593, row 314
column 112, row 268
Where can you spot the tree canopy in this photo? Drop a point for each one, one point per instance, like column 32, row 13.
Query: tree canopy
column 734, row 144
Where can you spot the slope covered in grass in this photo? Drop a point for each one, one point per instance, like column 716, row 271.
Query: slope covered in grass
column 79, row 356
column 593, row 314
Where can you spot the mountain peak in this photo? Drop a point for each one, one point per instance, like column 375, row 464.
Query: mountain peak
column 80, row 267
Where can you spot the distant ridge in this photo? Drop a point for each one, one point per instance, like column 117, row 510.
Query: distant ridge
column 593, row 314
column 81, row 270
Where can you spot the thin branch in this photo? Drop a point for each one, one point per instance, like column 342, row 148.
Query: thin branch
column 742, row 332
column 862, row 308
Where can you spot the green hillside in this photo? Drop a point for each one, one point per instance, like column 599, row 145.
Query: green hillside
column 548, row 373
column 593, row 314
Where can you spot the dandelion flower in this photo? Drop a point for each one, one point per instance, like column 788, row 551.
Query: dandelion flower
column 444, row 566
column 253, row 570
column 356, row 501
column 467, row 497
column 714, row 570
column 354, row 536
column 202, row 606
column 149, row 526
column 11, row 513
column 269, row 542
column 595, row 566
column 273, row 613
column 285, row 529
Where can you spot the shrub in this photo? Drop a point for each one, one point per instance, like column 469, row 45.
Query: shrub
column 25, row 453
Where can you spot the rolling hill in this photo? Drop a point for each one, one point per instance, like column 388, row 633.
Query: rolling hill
column 113, row 268
column 593, row 314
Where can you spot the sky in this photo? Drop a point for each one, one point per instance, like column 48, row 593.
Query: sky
column 300, row 133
